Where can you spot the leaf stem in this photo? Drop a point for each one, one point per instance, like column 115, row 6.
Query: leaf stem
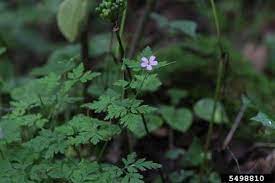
column 234, row 126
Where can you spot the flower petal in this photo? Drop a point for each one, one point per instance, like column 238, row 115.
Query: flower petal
column 152, row 58
column 154, row 63
column 144, row 64
column 144, row 59
column 149, row 67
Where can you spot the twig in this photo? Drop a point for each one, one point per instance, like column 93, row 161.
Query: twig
column 150, row 4
column 262, row 145
column 235, row 159
column 234, row 126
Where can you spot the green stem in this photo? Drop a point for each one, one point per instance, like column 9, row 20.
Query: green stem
column 214, row 11
column 138, row 91
column 216, row 99
column 145, row 125
column 121, row 47
column 122, row 24
column 217, row 90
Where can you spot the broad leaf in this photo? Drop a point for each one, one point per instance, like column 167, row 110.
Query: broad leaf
column 2, row 50
column 176, row 95
column 137, row 127
column 195, row 154
column 178, row 119
column 264, row 119
column 204, row 108
column 72, row 16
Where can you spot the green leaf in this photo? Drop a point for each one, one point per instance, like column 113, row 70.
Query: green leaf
column 11, row 131
column 57, row 66
column 176, row 95
column 77, row 72
column 264, row 119
column 181, row 176
column 121, row 83
column 132, row 166
column 174, row 154
column 246, row 101
column 136, row 125
column 195, row 154
column 102, row 104
column 161, row 20
column 2, row 50
column 99, row 44
column 146, row 82
column 71, row 17
column 179, row 119
column 86, row 129
column 48, row 143
column 184, row 26
column 204, row 108
column 89, row 76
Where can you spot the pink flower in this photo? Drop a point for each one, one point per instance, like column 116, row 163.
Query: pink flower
column 148, row 63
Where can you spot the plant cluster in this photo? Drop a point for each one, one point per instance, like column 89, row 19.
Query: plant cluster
column 111, row 9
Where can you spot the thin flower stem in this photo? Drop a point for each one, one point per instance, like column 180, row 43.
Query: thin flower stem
column 216, row 99
column 214, row 12
column 138, row 91
column 219, row 77
column 218, row 89
column 122, row 54
column 121, row 48
column 122, row 24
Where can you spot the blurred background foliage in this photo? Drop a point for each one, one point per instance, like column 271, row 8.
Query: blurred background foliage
column 180, row 30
